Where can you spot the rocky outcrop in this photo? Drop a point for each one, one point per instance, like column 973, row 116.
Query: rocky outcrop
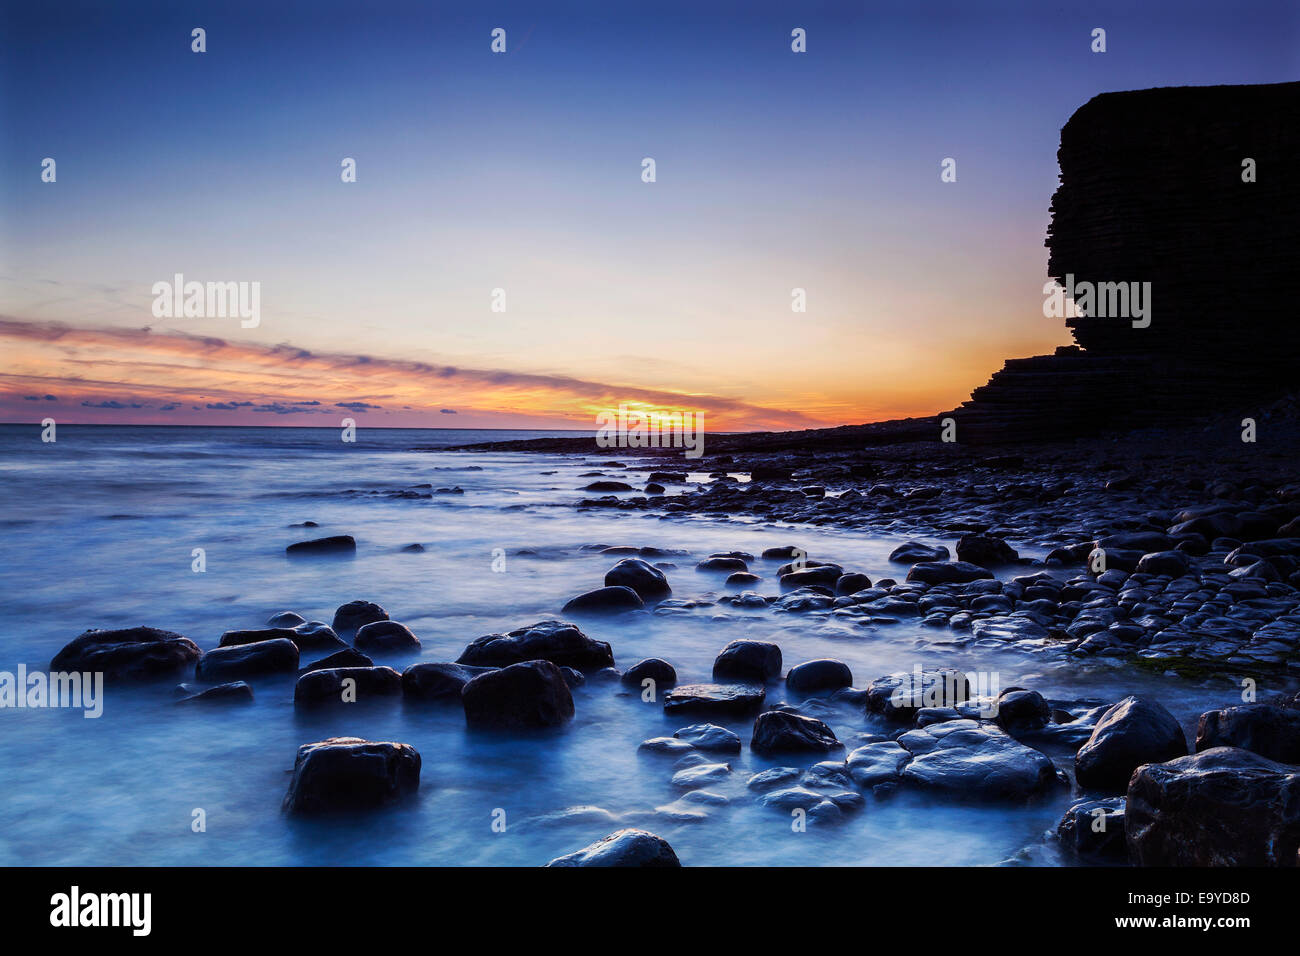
column 128, row 653
column 527, row 695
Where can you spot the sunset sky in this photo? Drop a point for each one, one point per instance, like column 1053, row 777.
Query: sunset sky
column 522, row 171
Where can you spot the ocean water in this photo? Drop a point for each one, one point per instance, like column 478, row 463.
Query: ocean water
column 98, row 530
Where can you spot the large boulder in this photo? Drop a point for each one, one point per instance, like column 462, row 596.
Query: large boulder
column 897, row 697
column 385, row 636
column 346, row 657
column 969, row 759
column 349, row 773
column 529, row 694
column 756, row 661
column 334, row 544
column 914, row 552
column 1222, row 807
column 812, row 676
column 628, row 847
column 1093, row 831
column 641, row 576
column 355, row 614
column 430, row 680
column 947, row 572
column 1129, row 734
column 985, row 550
column 248, row 660
column 779, row 731
column 128, row 653
column 610, row 600
column 652, row 668
column 555, row 641
column 1270, row 729
column 320, row 687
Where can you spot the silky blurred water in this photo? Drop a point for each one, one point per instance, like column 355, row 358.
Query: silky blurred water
column 98, row 530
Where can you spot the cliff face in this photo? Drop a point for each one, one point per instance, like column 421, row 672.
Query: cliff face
column 1151, row 191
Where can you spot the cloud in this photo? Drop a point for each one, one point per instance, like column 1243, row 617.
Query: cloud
column 113, row 404
column 447, row 411
column 356, row 406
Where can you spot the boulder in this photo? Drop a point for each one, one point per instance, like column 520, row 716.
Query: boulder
column 1092, row 831
column 334, row 544
column 779, row 731
column 812, row 676
column 526, row 695
column 1222, row 807
column 248, row 660
column 555, row 641
column 851, row 583
column 630, row 847
column 1269, row 729
column 914, row 552
column 385, row 636
column 349, row 773
column 985, row 550
column 285, row 619
column 897, row 697
column 359, row 683
column 652, row 668
column 431, row 680
column 1173, row 563
column 969, row 759
column 128, row 653
column 355, row 614
column 1020, row 711
column 750, row 661
column 234, row 638
column 709, row 738
column 644, row 578
column 1131, row 733
column 947, row 572
column 347, row 657
column 611, row 600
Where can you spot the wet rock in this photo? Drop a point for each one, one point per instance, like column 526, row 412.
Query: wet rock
column 750, row 661
column 232, row 638
column 967, row 759
column 779, row 731
column 1221, row 807
column 555, row 641
column 822, row 574
column 1173, row 563
column 710, row 738
column 804, row 600
column 947, row 572
column 413, row 548
column 915, row 552
column 320, row 687
column 898, row 697
column 248, row 660
column 722, row 564
column 436, row 680
column 355, row 614
column 234, row 692
column 1020, row 710
column 347, row 657
column 665, row 745
column 334, row 544
column 851, row 583
column 642, row 577
column 386, row 636
column 727, row 700
column 701, row 775
column 349, row 773
column 741, row 579
column 654, row 488
column 525, row 695
column 812, row 676
column 652, row 668
column 611, row 600
column 787, row 552
column 1270, row 729
column 285, row 619
column 629, row 847
column 1131, row 733
column 129, row 653
column 1093, row 831
column 876, row 763
column 316, row 636
column 985, row 550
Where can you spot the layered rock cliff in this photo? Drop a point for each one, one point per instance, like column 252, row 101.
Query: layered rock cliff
column 1152, row 190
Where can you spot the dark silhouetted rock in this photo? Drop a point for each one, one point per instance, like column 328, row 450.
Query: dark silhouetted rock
column 531, row 694
column 947, row 572
column 347, row 657
column 1267, row 728
column 812, row 676
column 385, row 636
column 914, row 552
column 898, row 697
column 248, row 660
column 635, row 848
column 710, row 738
column 235, row 692
column 659, row 671
column 334, row 544
column 128, row 653
column 431, row 680
column 1222, row 807
column 642, row 577
column 555, row 641
column 356, row 614
column 985, row 550
column 723, row 700
column 1129, row 734
column 779, row 731
column 349, row 773
column 328, row 686
column 611, row 600
column 755, row 661
column 967, row 759
column 1093, row 831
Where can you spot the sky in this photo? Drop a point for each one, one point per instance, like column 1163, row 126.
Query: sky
column 522, row 171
